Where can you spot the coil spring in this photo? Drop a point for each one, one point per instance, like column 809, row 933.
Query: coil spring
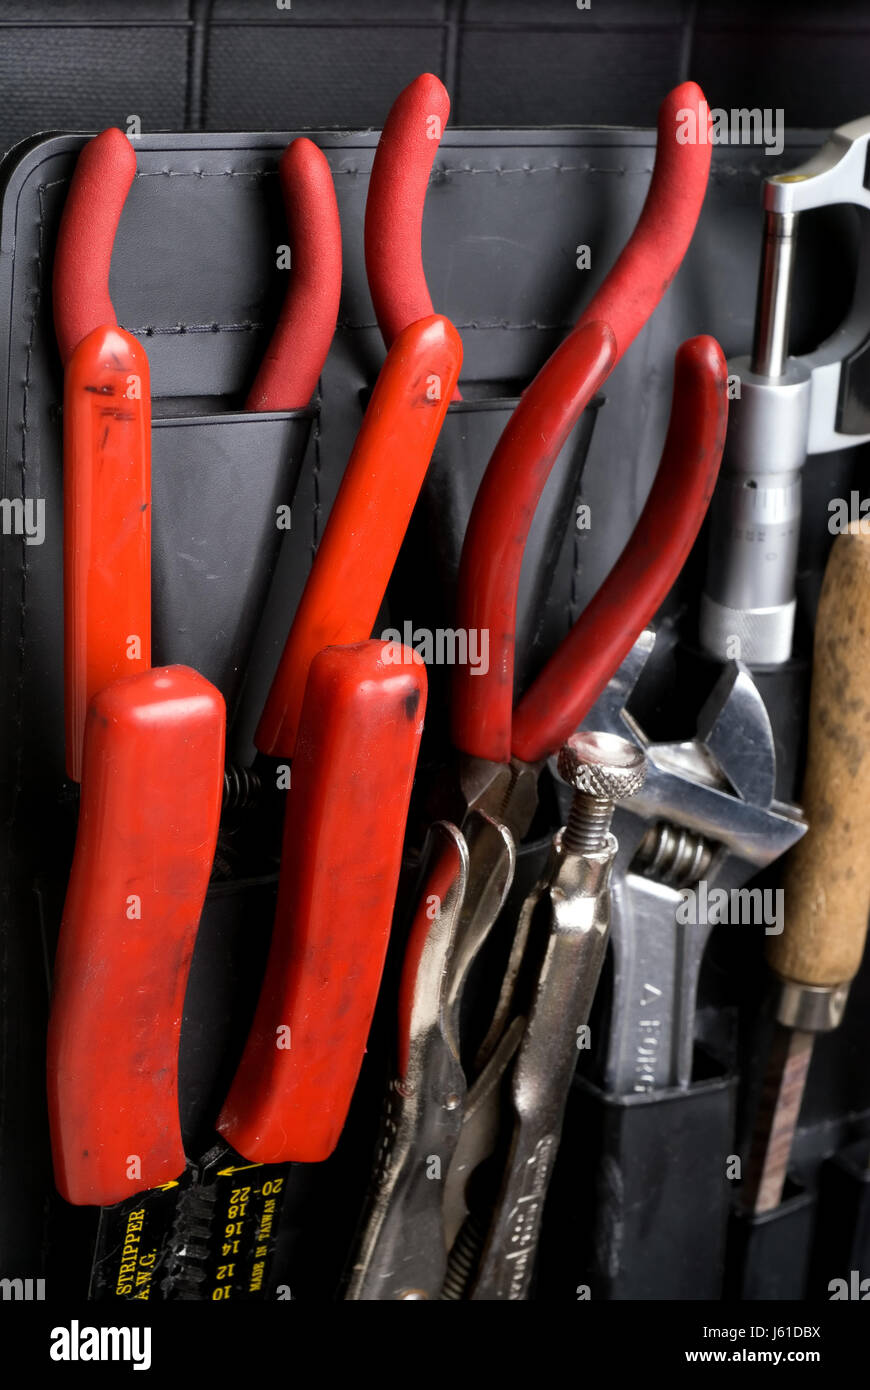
column 242, row 788
column 673, row 855
column 464, row 1259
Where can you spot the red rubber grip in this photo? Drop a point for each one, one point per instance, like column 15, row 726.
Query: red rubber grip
column 653, row 253
column 394, row 205
column 106, row 522
column 343, row 832
column 369, row 517
column 99, row 187
column 295, row 356
column 575, row 675
column 150, row 806
column 492, row 553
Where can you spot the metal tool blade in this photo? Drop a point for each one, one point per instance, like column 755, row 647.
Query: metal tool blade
column 402, row 1252
column 576, row 888
column 782, row 1094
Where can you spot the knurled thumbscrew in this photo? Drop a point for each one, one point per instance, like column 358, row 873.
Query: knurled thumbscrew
column 602, row 769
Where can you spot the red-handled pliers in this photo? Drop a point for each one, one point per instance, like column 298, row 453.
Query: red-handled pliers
column 294, row 358
column 404, row 1210
column 484, row 723
column 505, row 748
column 151, row 797
column 635, row 284
column 354, row 737
column 107, row 461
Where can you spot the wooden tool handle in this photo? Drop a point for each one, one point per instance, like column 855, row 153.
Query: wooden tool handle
column 827, row 881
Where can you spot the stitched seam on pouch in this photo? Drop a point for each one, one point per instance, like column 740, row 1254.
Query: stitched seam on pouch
column 440, row 172
column 18, row 696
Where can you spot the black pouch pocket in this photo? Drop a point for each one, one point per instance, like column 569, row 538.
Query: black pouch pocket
column 218, row 482
column 424, row 588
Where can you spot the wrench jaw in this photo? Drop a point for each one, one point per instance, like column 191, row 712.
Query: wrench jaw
column 718, row 785
column 706, row 813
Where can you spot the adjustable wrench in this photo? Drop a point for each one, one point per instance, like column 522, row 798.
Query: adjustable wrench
column 706, row 813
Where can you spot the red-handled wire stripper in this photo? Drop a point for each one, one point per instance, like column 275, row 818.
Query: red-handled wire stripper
column 153, row 775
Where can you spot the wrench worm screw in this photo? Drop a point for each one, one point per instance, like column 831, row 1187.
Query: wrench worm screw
column 671, row 854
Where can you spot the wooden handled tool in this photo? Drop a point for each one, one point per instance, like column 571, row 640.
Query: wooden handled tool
column 827, row 879
column 827, row 883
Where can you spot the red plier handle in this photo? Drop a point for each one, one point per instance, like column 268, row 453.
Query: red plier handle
column 295, row 356
column 564, row 692
column 103, row 177
column 394, row 206
column 106, row 522
column 294, row 359
column 524, row 456
column 369, row 517
column 148, row 823
column 359, row 735
column 654, row 252
column 635, row 284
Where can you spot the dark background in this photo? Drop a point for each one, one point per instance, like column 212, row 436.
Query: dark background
column 248, row 65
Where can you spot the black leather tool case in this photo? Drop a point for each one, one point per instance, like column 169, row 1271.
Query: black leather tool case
column 194, row 277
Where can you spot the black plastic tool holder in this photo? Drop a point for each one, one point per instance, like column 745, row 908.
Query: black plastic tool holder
column 769, row 1253
column 842, row 1244
column 641, row 1184
column 194, row 276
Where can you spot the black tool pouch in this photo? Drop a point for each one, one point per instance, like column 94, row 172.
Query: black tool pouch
column 194, row 277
